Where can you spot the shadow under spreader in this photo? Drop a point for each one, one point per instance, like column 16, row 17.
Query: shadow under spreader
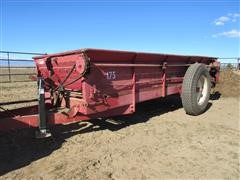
column 20, row 148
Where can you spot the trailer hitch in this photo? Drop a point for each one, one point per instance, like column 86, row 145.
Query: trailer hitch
column 42, row 131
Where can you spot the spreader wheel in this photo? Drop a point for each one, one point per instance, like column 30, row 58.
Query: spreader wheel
column 196, row 89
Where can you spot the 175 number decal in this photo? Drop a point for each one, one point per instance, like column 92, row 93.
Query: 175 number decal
column 111, row 75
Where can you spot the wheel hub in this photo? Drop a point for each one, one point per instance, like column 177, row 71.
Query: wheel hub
column 201, row 89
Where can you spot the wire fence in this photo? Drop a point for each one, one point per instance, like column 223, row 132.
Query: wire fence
column 231, row 66
column 16, row 66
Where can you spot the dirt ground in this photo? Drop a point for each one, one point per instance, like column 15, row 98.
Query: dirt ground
column 158, row 142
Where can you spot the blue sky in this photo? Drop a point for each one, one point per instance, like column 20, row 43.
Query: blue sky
column 180, row 27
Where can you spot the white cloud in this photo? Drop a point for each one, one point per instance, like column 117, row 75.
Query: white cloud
column 236, row 15
column 221, row 20
column 230, row 34
column 219, row 23
column 224, row 19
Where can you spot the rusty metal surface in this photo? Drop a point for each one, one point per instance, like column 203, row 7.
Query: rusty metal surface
column 93, row 83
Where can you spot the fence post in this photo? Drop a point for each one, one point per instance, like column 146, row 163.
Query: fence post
column 238, row 63
column 9, row 68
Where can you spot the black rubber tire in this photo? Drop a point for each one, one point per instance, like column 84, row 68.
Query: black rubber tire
column 189, row 94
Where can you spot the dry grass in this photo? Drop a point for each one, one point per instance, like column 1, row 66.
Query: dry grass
column 229, row 84
column 17, row 91
column 16, row 71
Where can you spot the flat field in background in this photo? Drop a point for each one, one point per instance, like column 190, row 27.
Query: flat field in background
column 158, row 141
column 5, row 71
column 22, row 88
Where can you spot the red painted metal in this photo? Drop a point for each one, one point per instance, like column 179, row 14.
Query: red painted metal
column 93, row 83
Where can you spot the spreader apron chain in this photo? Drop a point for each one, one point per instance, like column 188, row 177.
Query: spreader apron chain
column 42, row 132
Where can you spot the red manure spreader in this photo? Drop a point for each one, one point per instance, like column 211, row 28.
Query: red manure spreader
column 93, row 83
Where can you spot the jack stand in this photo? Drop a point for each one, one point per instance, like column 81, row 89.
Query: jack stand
column 42, row 133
